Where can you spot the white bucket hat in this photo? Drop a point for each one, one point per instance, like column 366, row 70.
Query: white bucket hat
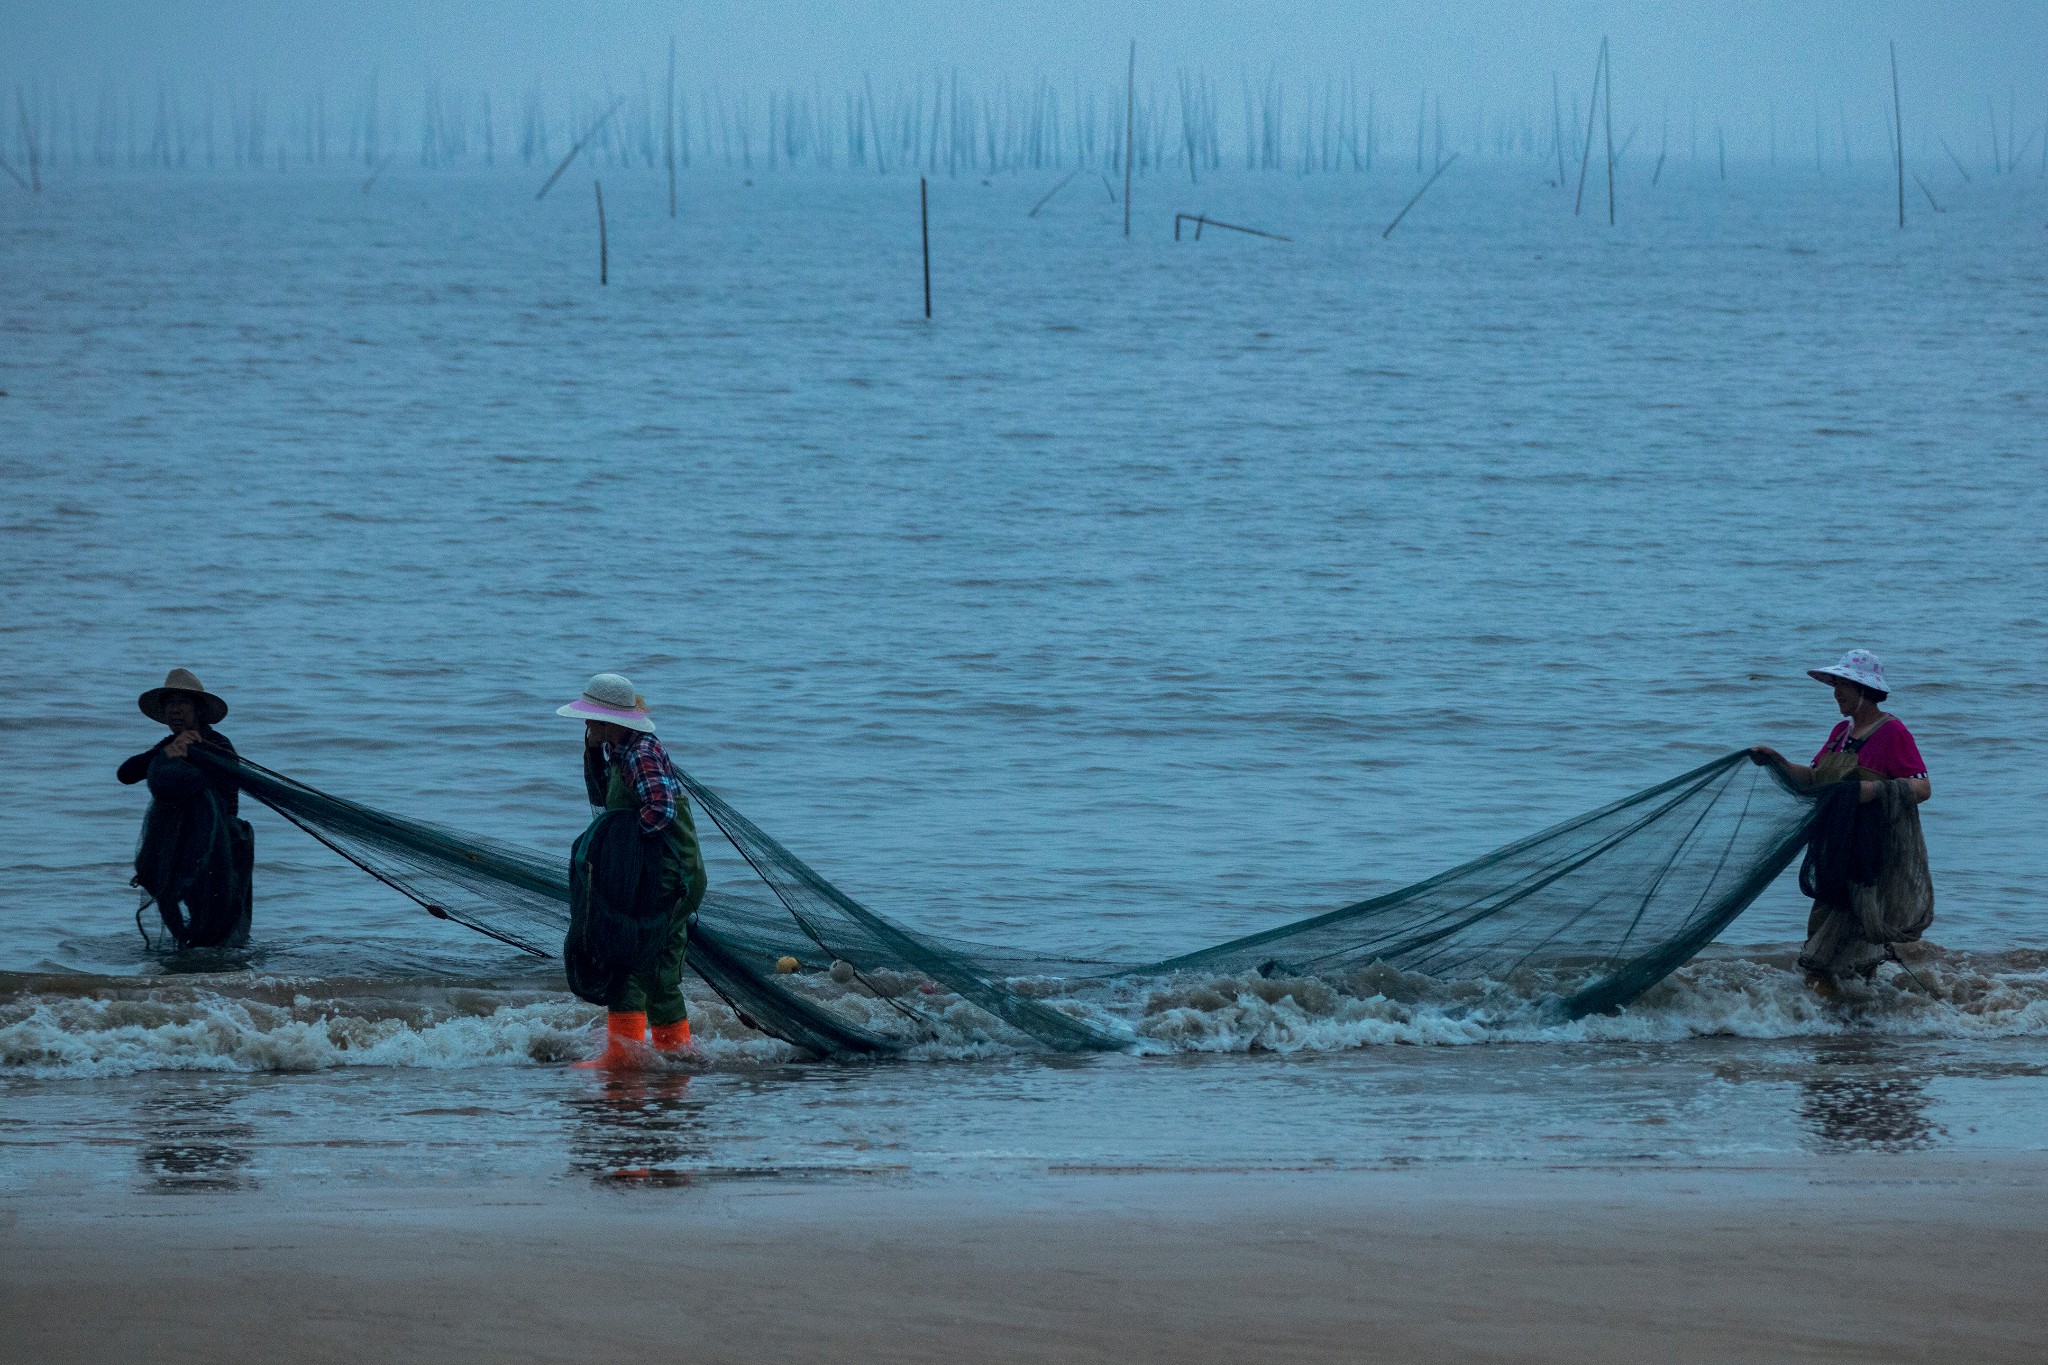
column 1858, row 666
column 610, row 696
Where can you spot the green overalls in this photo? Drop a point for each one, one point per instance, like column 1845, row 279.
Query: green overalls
column 658, row 989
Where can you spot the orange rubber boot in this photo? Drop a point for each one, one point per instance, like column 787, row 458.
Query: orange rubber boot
column 672, row 1037
column 623, row 1032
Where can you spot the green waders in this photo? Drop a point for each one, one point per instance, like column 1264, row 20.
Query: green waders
column 658, row 989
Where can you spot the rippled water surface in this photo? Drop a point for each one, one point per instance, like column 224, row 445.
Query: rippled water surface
column 1151, row 593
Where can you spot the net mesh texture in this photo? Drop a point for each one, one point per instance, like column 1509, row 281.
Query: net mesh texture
column 1586, row 915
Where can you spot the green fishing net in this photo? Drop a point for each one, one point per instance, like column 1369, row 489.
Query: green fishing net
column 1583, row 917
column 521, row 898
column 1597, row 909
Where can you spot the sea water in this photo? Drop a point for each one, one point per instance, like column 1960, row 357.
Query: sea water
column 1149, row 593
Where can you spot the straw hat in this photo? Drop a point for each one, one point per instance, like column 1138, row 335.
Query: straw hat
column 610, row 696
column 1858, row 666
column 211, row 708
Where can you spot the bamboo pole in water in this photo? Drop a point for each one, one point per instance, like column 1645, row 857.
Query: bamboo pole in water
column 28, row 141
column 668, row 128
column 924, row 228
column 1899, row 135
column 875, row 122
column 1960, row 168
column 1607, row 104
column 1130, row 115
column 604, row 262
column 1586, row 157
column 1663, row 143
column 2013, row 158
column 1929, row 193
column 1557, row 127
column 1418, row 196
column 1051, row 192
column 1201, row 221
column 379, row 170
column 602, row 119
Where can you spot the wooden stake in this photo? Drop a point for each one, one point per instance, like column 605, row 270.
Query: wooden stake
column 1960, row 169
column 1585, row 158
column 1130, row 117
column 1557, row 126
column 1899, row 135
column 668, row 128
column 1200, row 222
column 875, row 122
column 924, row 227
column 602, row 119
column 1663, row 143
column 604, row 261
column 28, row 141
column 378, row 171
column 1418, row 196
column 1607, row 104
column 1053, row 191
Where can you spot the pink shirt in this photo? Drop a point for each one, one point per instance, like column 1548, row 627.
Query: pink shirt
column 1889, row 749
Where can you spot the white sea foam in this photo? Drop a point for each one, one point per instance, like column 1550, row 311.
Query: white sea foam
column 184, row 1029
column 1728, row 997
column 101, row 1027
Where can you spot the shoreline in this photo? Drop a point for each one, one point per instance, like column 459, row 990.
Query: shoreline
column 1867, row 1257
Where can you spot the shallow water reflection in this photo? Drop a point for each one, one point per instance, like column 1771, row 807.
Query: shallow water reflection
column 196, row 1141
column 637, row 1128
column 1859, row 1098
column 1712, row 1101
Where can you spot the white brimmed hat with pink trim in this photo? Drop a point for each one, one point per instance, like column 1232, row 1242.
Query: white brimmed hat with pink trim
column 1857, row 666
column 610, row 696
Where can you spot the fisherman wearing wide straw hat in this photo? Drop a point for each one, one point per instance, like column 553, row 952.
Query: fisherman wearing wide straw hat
column 626, row 769
column 1853, row 924
column 196, row 854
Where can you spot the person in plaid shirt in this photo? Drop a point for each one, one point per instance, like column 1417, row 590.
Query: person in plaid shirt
column 647, row 770
column 625, row 768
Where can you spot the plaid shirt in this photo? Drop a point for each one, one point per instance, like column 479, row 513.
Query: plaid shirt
column 645, row 765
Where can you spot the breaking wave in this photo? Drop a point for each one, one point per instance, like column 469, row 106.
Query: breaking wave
column 83, row 1026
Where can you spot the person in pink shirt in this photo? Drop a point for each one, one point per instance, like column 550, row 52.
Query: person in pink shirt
column 1866, row 864
column 1871, row 743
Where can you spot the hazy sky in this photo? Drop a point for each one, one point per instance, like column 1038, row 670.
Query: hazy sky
column 1735, row 54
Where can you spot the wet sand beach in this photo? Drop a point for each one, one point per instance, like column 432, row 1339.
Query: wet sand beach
column 1883, row 1257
